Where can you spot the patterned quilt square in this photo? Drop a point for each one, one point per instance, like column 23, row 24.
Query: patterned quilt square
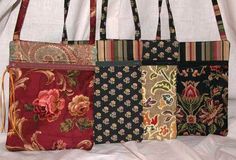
column 117, row 104
column 159, row 102
column 202, row 100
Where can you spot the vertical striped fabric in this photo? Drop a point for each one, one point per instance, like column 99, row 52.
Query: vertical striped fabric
column 219, row 20
column 119, row 50
column 205, row 51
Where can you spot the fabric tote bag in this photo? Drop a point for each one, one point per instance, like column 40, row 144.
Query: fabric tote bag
column 159, row 70
column 119, row 50
column 51, row 92
column 203, row 85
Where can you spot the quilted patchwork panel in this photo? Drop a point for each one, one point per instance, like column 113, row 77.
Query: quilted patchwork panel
column 117, row 104
column 202, row 99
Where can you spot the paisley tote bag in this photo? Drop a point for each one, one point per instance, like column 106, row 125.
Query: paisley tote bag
column 51, row 93
column 117, row 102
column 159, row 71
column 203, row 85
column 119, row 50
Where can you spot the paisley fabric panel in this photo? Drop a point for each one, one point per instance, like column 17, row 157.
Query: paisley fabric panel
column 160, row 51
column 117, row 104
column 39, row 52
column 205, row 51
column 50, row 109
column 159, row 102
column 202, row 99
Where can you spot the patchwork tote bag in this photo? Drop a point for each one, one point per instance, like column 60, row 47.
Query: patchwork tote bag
column 117, row 87
column 159, row 69
column 51, row 92
column 202, row 85
column 119, row 50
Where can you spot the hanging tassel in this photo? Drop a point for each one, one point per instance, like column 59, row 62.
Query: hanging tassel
column 3, row 98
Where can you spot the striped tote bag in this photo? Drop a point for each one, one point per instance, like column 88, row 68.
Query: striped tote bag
column 119, row 50
column 202, row 85
column 159, row 69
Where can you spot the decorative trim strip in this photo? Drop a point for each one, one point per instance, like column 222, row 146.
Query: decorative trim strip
column 205, row 51
column 119, row 50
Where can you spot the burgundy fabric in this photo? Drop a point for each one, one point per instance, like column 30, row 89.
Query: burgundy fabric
column 21, row 18
column 50, row 110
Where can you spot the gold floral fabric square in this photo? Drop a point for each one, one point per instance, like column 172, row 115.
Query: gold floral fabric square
column 159, row 102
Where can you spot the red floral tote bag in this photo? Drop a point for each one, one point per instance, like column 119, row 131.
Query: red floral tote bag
column 159, row 71
column 117, row 102
column 51, row 93
column 202, row 85
column 119, row 50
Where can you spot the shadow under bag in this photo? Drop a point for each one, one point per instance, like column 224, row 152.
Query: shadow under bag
column 202, row 85
column 51, row 91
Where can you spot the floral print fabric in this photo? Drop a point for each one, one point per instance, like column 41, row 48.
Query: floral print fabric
column 160, row 51
column 202, row 99
column 50, row 109
column 159, row 102
column 117, row 104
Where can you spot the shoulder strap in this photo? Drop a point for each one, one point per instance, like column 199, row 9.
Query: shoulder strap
column 171, row 21
column 20, row 19
column 23, row 11
column 66, row 9
column 219, row 20
column 104, row 19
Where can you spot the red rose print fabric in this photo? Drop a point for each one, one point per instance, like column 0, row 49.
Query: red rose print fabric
column 50, row 109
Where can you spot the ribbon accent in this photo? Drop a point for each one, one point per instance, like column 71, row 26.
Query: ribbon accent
column 3, row 98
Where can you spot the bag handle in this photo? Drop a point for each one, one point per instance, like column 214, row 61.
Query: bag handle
column 23, row 11
column 103, row 25
column 217, row 13
column 219, row 20
column 171, row 21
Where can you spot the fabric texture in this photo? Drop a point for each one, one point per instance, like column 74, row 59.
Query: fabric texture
column 202, row 100
column 50, row 109
column 119, row 50
column 159, row 102
column 40, row 52
column 160, row 51
column 117, row 104
column 202, row 85
column 205, row 51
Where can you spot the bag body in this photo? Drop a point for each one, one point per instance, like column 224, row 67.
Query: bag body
column 51, row 91
column 119, row 50
column 202, row 85
column 50, row 109
column 159, row 71
column 117, row 105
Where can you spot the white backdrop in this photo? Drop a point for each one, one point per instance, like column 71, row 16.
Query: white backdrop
column 194, row 21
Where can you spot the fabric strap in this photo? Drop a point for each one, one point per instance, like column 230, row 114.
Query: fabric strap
column 171, row 21
column 104, row 19
column 219, row 20
column 23, row 11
